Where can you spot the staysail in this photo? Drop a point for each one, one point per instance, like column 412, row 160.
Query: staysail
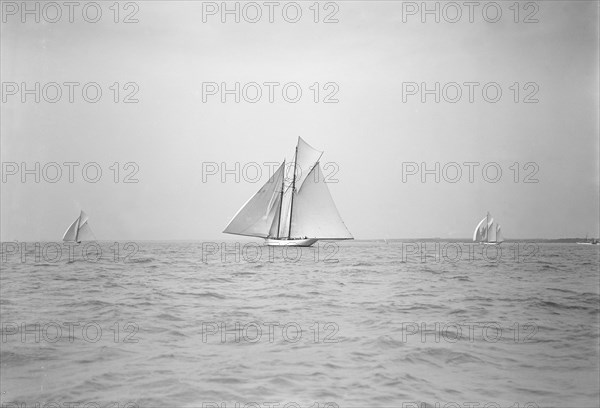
column 255, row 218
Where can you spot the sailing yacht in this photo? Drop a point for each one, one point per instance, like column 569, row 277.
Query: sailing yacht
column 292, row 210
column 587, row 241
column 80, row 230
column 488, row 232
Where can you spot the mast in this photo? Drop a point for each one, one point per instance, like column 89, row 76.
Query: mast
column 77, row 230
column 281, row 200
column 293, row 190
column 487, row 227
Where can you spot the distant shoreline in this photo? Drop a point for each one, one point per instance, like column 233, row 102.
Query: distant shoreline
column 382, row 240
column 468, row 240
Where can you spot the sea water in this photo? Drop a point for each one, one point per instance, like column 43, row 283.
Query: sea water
column 352, row 324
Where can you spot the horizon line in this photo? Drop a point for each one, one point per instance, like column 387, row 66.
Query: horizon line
column 250, row 239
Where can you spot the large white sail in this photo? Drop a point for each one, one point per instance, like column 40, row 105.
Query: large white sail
column 71, row 232
column 315, row 214
column 255, row 217
column 80, row 230
column 306, row 157
column 480, row 233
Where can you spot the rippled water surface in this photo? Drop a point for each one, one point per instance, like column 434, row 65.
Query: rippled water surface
column 381, row 327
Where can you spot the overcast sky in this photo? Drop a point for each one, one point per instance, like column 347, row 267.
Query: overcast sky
column 369, row 54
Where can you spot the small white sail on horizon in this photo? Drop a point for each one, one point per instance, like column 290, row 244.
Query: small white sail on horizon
column 80, row 230
column 292, row 209
column 488, row 231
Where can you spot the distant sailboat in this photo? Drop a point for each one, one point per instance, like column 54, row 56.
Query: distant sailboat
column 594, row 241
column 296, row 212
column 488, row 232
column 80, row 230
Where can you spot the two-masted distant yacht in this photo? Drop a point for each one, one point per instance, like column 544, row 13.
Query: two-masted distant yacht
column 80, row 230
column 292, row 209
column 488, row 232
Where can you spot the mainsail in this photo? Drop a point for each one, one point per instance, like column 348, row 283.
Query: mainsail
column 80, row 230
column 315, row 213
column 488, row 231
column 295, row 203
column 480, row 233
column 305, row 159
